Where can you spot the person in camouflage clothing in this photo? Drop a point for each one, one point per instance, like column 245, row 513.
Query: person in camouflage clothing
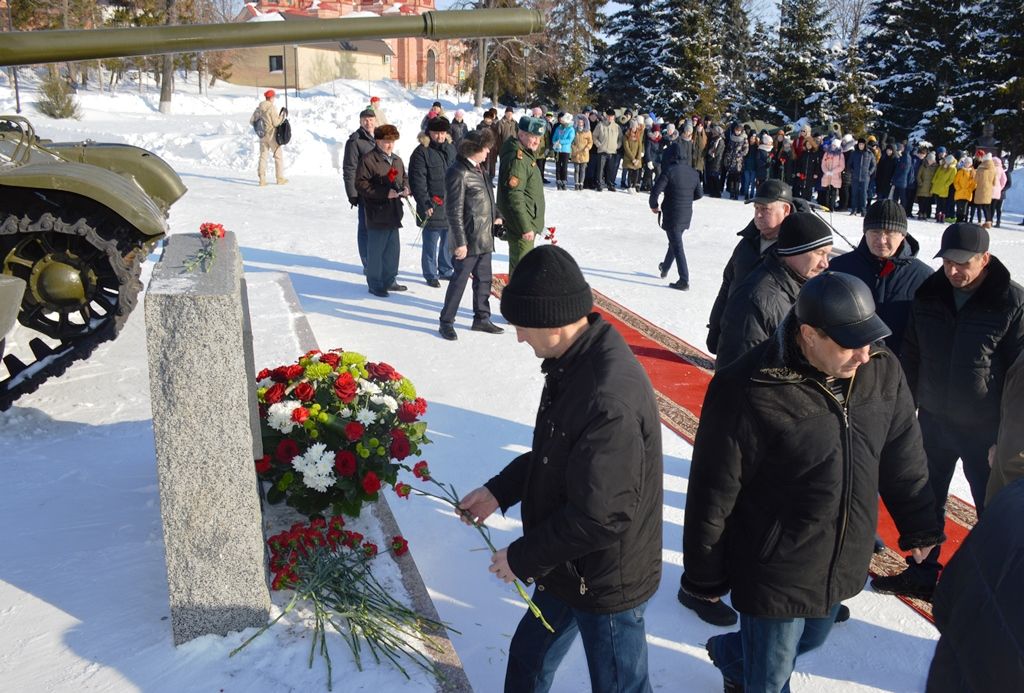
column 520, row 189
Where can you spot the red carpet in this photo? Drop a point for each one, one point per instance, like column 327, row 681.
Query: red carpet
column 680, row 374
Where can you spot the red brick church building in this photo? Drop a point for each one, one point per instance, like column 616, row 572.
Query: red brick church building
column 416, row 61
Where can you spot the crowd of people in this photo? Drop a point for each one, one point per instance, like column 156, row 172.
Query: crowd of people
column 837, row 380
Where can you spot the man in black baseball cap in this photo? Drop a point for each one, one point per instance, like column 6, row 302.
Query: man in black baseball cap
column 965, row 332
column 772, row 203
column 782, row 501
column 590, row 487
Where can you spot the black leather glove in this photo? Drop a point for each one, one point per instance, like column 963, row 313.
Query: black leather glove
column 354, row 201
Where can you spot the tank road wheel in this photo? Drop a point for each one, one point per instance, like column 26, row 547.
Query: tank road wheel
column 82, row 282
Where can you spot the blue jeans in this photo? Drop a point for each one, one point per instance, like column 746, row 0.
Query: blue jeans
column 749, row 184
column 382, row 255
column 762, row 654
column 675, row 253
column 615, row 645
column 361, row 233
column 435, row 257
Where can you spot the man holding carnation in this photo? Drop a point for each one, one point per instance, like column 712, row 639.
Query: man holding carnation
column 381, row 183
column 590, row 487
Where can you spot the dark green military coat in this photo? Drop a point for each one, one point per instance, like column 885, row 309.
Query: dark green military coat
column 520, row 190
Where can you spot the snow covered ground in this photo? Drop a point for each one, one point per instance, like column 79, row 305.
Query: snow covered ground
column 83, row 599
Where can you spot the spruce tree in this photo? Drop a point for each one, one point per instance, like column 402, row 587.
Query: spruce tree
column 732, row 24
column 853, row 98
column 799, row 57
column 760, row 75
column 630, row 70
column 693, row 59
column 992, row 88
column 571, row 32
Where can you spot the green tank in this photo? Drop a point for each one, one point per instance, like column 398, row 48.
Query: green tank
column 77, row 219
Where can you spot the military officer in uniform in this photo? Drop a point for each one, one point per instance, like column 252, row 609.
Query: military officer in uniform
column 520, row 189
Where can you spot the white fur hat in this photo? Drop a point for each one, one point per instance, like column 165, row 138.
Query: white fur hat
column 566, row 118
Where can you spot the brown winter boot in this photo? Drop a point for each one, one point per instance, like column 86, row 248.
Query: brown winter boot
column 262, row 182
column 282, row 181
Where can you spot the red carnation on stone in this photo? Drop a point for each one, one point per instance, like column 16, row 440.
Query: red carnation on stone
column 399, row 545
column 304, row 392
column 371, row 483
column 345, row 462
column 354, row 431
column 370, row 548
column 346, row 387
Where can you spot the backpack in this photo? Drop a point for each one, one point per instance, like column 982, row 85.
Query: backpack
column 258, row 126
column 283, row 132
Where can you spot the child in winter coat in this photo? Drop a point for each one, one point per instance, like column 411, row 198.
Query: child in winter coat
column 561, row 143
column 925, row 174
column 832, row 165
column 580, row 149
column 963, row 184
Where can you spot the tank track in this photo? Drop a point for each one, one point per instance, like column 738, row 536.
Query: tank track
column 119, row 246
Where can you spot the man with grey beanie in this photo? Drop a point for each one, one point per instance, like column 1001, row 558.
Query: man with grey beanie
column 590, row 487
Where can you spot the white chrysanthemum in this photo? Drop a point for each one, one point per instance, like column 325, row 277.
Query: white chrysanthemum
column 387, row 400
column 345, row 413
column 365, row 417
column 316, row 466
column 279, row 416
column 368, row 388
column 266, row 382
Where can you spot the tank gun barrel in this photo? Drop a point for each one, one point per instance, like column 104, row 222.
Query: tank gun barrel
column 33, row 47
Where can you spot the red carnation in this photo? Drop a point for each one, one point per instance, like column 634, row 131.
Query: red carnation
column 286, row 451
column 345, row 462
column 392, row 174
column 318, row 523
column 263, row 464
column 352, row 539
column 354, row 431
column 370, row 548
column 407, row 412
column 262, row 375
column 345, row 387
column 403, row 490
column 294, row 371
column 399, row 545
column 371, row 483
column 330, row 359
column 421, row 406
column 382, row 371
column 274, row 393
column 436, row 199
column 421, row 471
column 300, row 414
column 337, row 522
column 400, row 448
column 304, row 392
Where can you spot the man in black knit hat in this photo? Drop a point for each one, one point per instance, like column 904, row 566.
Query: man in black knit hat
column 886, row 260
column 590, row 487
column 759, row 303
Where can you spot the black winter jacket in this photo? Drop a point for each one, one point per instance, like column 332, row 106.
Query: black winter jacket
column 591, row 487
column 893, row 283
column 978, row 608
column 956, row 361
column 359, row 143
column 459, row 130
column 471, row 208
column 428, row 166
column 782, row 501
column 680, row 183
column 745, row 256
column 756, row 307
column 373, row 184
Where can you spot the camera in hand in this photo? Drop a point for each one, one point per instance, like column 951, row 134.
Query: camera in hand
column 499, row 230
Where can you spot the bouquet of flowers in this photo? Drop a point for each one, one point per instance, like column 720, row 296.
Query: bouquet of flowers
column 335, row 426
column 328, row 568
column 549, row 235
